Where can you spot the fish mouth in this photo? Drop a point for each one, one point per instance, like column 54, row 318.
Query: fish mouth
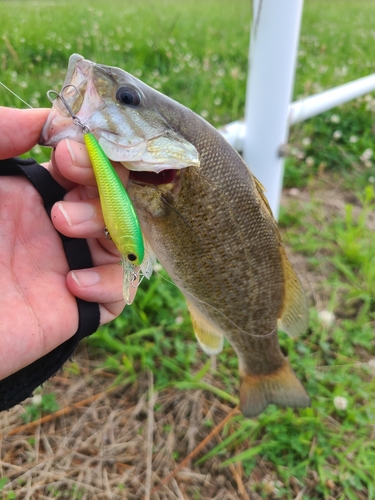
column 80, row 93
column 156, row 179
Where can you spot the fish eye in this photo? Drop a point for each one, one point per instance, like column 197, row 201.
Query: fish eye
column 128, row 96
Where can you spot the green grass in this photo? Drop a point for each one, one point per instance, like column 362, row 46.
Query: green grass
column 196, row 52
column 181, row 49
column 335, row 47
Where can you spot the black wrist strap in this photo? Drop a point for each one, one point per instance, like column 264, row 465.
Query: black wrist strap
column 20, row 385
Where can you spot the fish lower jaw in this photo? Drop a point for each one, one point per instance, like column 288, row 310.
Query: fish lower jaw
column 66, row 130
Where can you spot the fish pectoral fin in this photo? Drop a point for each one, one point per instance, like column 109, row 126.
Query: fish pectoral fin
column 294, row 317
column 281, row 388
column 209, row 337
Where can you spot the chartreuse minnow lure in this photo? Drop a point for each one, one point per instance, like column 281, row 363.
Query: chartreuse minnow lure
column 119, row 215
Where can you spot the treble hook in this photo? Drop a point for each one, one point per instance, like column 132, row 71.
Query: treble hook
column 76, row 120
column 144, row 271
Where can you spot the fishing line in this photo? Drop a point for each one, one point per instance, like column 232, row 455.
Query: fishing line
column 18, row 97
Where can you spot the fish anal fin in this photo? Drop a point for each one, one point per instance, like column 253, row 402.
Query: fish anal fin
column 294, row 316
column 210, row 338
column 281, row 388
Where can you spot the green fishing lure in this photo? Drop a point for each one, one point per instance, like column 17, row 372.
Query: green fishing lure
column 118, row 212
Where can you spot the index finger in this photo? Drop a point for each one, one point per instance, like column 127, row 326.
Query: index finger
column 71, row 163
column 20, row 129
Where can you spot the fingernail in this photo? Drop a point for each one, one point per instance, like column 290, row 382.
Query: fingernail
column 85, row 278
column 70, row 149
column 76, row 213
column 78, row 153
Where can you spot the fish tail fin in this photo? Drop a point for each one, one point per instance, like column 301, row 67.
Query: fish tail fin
column 281, row 387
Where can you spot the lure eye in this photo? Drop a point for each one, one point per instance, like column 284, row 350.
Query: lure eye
column 131, row 257
column 128, row 96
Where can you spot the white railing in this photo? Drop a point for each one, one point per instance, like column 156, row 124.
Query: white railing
column 269, row 112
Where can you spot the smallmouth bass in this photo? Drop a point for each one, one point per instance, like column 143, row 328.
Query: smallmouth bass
column 205, row 217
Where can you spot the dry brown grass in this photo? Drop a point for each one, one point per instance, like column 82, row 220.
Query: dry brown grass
column 115, row 445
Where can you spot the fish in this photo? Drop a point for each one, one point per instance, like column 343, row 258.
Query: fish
column 205, row 217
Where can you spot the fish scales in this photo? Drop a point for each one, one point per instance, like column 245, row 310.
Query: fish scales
column 209, row 225
column 221, row 198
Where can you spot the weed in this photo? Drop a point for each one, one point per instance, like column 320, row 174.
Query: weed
column 40, row 404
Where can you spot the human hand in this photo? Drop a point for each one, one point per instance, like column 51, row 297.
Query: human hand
column 37, row 299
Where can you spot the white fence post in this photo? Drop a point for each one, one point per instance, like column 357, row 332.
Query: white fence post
column 273, row 49
column 318, row 103
column 269, row 114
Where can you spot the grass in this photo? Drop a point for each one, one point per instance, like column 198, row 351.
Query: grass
column 197, row 54
column 333, row 50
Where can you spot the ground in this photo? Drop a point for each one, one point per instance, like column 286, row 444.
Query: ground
column 119, row 442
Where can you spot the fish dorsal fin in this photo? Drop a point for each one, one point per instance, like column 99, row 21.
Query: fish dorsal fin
column 294, row 317
column 260, row 186
column 262, row 192
column 210, row 338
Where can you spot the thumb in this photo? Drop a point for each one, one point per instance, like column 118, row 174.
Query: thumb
column 20, row 129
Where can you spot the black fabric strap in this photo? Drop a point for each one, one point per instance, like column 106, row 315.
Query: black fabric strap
column 20, row 385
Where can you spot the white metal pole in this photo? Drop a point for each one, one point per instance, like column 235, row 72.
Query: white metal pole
column 273, row 48
column 308, row 107
column 316, row 104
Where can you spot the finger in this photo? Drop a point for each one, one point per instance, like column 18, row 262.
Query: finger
column 70, row 164
column 102, row 284
column 79, row 219
column 70, row 161
column 20, row 129
column 84, row 220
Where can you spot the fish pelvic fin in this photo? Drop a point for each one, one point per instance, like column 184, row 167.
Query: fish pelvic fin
column 209, row 337
column 294, row 317
column 281, row 387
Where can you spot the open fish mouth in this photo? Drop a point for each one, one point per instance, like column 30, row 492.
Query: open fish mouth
column 163, row 177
